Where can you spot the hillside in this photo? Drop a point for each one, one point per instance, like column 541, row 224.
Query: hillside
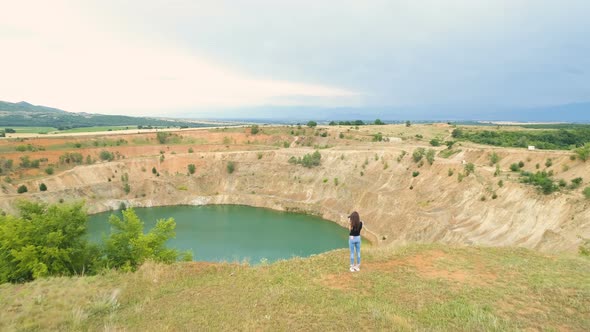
column 412, row 288
column 402, row 201
column 25, row 114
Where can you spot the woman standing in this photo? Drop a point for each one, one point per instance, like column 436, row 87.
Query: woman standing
column 354, row 240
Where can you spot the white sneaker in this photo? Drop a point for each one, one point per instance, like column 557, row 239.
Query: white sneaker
column 357, row 268
column 352, row 269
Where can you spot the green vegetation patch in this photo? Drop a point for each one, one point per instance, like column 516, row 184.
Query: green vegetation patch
column 562, row 139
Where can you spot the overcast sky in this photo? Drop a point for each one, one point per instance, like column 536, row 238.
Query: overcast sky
column 157, row 57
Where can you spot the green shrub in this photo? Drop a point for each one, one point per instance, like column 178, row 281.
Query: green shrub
column 312, row 124
column 49, row 170
column 22, row 189
column 415, row 173
column 521, row 164
column 450, row 172
column 162, row 137
column 514, row 168
column 541, row 180
column 430, row 156
column 154, row 171
column 45, row 240
column 576, row 183
column 336, row 181
column 494, row 158
column 126, row 188
column 469, row 168
column 501, row 183
column 192, row 168
column 548, row 163
column 231, row 167
column 190, row 150
column 106, row 155
column 587, row 192
column 583, row 152
column 435, row 142
column 378, row 137
column 128, row 247
column 42, row 187
column 418, row 154
column 254, row 129
column 584, row 248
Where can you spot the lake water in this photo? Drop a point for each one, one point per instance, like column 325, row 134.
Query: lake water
column 235, row 233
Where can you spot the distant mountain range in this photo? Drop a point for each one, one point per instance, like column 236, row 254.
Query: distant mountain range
column 28, row 115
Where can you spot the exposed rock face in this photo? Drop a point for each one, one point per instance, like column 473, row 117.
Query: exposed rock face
column 438, row 208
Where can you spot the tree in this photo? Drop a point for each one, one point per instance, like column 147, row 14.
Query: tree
column 22, row 189
column 254, row 129
column 494, row 158
column 191, row 168
column 379, row 122
column 408, row 123
column 154, row 171
column 42, row 187
column 128, row 247
column 332, row 123
column 9, row 130
column 45, row 240
column 358, row 123
column 312, row 124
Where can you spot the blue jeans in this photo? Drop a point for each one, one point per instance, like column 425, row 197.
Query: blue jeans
column 354, row 243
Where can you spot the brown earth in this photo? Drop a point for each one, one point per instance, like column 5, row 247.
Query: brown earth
column 396, row 207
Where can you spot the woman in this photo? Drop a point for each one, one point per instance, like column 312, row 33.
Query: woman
column 354, row 240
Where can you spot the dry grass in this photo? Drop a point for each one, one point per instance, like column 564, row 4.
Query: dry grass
column 417, row 287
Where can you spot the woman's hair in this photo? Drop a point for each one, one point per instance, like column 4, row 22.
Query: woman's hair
column 355, row 220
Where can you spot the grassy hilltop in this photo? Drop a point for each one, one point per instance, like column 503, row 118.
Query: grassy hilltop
column 420, row 287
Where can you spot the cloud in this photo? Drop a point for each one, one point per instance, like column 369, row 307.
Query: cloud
column 56, row 56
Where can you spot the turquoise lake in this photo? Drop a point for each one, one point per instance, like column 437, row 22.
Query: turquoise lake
column 237, row 233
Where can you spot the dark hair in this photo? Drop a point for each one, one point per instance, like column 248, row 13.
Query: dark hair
column 355, row 220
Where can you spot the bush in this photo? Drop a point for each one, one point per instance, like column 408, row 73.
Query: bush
column 430, row 156
column 106, row 155
column 583, row 152
column 435, row 142
column 154, row 171
column 378, row 137
column 312, row 124
column 254, row 129
column 231, row 167
column 379, row 122
column 415, row 173
column 128, row 247
column 576, row 183
column 45, row 240
column 501, row 183
column 190, row 150
column 450, row 172
column 494, row 158
column 521, row 164
column 514, row 168
column 418, row 154
column 548, row 163
column 587, row 192
column 469, row 168
column 126, row 188
column 162, row 137
column 22, row 189
column 42, row 187
column 541, row 180
column 192, row 168
column 408, row 123
column 457, row 133
column 49, row 170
